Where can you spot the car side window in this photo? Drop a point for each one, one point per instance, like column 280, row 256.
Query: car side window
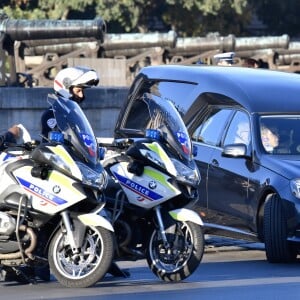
column 210, row 131
column 238, row 130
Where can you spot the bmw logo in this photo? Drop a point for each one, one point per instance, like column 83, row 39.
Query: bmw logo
column 152, row 185
column 56, row 189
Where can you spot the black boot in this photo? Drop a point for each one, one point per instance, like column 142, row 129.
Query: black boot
column 115, row 271
column 20, row 274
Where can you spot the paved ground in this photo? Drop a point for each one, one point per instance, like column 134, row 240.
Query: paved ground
column 216, row 243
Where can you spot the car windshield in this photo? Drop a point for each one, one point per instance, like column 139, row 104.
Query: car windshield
column 280, row 134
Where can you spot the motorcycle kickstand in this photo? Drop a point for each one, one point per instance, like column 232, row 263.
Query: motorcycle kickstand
column 116, row 271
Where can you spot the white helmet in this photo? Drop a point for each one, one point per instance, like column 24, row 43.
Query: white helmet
column 74, row 76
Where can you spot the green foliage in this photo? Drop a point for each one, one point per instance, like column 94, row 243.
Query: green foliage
column 280, row 16
column 43, row 9
column 187, row 17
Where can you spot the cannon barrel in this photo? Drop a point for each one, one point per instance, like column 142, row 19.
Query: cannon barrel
column 255, row 53
column 254, row 43
column 60, row 48
column 139, row 40
column 197, row 45
column 287, row 59
column 48, row 43
column 20, row 30
column 294, row 47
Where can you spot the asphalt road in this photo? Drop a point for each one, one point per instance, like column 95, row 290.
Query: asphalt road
column 233, row 271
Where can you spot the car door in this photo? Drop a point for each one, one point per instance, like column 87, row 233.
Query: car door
column 205, row 139
column 228, row 177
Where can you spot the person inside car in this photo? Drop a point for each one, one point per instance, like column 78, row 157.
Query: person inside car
column 269, row 138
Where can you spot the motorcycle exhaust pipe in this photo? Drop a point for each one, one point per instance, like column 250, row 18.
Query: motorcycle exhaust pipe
column 27, row 251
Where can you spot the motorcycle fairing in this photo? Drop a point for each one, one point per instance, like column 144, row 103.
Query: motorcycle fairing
column 184, row 214
column 5, row 156
column 93, row 219
column 52, row 195
column 64, row 156
column 154, row 147
column 147, row 190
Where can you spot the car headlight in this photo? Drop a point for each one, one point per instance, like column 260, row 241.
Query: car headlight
column 95, row 178
column 186, row 174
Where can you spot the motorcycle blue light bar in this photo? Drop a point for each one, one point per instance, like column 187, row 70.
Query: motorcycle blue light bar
column 152, row 134
column 56, row 136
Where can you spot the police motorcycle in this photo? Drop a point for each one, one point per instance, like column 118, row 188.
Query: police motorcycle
column 51, row 203
column 153, row 189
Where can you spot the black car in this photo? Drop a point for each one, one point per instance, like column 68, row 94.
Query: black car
column 245, row 126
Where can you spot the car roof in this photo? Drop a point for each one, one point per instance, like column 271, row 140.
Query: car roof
column 257, row 90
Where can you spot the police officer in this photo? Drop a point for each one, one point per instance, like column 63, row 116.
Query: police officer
column 68, row 83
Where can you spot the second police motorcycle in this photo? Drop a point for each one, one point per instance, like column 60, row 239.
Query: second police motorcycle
column 153, row 187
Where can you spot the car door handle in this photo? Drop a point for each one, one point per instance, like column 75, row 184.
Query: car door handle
column 215, row 163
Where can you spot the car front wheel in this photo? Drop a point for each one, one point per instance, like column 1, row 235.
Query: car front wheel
column 278, row 249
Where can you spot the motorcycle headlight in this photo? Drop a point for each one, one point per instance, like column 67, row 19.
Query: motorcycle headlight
column 186, row 174
column 295, row 187
column 92, row 177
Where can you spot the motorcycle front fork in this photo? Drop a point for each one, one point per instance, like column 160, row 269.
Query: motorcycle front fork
column 71, row 234
column 161, row 226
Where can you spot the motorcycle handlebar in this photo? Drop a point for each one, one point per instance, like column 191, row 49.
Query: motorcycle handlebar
column 117, row 144
column 28, row 146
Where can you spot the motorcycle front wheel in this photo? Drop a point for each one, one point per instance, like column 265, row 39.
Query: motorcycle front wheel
column 183, row 255
column 89, row 265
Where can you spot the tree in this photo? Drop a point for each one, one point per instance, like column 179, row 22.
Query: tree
column 44, row 9
column 281, row 17
column 187, row 17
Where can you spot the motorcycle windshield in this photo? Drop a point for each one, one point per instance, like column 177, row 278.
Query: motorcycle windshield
column 165, row 118
column 75, row 127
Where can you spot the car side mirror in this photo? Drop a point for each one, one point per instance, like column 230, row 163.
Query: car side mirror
column 235, row 150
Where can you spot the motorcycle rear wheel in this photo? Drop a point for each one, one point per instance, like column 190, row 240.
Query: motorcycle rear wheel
column 182, row 258
column 87, row 267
